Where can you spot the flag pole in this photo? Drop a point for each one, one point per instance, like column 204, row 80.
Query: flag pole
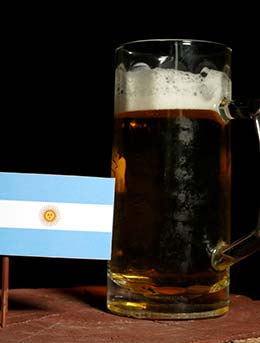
column 5, row 288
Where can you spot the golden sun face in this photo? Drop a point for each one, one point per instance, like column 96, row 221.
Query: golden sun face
column 49, row 215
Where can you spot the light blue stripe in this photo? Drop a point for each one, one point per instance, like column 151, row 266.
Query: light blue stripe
column 48, row 243
column 57, row 188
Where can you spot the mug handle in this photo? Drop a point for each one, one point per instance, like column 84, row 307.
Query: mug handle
column 224, row 255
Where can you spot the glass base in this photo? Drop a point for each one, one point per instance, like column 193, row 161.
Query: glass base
column 136, row 310
column 126, row 303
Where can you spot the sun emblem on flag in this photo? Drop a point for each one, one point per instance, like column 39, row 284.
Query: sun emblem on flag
column 49, row 215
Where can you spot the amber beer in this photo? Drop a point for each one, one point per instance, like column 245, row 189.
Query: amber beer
column 172, row 202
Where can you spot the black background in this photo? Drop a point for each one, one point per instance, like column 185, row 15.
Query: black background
column 57, row 108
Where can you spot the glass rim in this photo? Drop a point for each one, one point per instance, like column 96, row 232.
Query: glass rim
column 124, row 46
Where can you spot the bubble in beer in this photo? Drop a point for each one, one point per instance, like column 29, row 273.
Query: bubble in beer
column 139, row 66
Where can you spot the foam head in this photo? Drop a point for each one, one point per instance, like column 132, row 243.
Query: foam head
column 145, row 89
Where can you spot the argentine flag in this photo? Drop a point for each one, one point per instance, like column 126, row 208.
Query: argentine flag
column 56, row 215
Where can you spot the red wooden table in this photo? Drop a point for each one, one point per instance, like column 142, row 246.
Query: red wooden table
column 78, row 315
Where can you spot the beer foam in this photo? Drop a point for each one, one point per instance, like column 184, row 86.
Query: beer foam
column 146, row 89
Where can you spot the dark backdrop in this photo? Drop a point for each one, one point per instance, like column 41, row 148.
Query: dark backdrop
column 58, row 67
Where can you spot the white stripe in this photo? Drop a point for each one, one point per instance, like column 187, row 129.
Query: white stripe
column 70, row 216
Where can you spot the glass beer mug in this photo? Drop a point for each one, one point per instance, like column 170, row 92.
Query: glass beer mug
column 171, row 158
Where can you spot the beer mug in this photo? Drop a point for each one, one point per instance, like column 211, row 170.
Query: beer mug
column 171, row 159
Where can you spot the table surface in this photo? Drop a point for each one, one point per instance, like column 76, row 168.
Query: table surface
column 79, row 314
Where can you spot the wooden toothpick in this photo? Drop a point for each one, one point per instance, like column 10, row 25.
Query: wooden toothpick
column 5, row 288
